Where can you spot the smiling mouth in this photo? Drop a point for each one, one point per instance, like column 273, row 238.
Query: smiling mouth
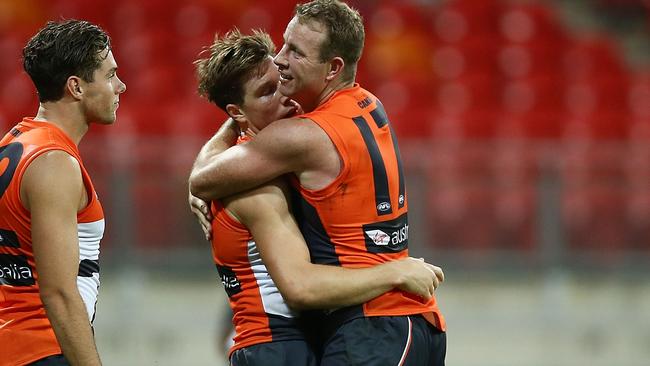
column 285, row 77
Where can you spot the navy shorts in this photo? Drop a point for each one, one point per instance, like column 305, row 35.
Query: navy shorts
column 56, row 360
column 281, row 353
column 386, row 341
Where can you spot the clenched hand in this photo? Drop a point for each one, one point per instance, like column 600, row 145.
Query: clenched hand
column 418, row 277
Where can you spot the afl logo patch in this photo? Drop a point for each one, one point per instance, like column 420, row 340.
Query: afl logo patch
column 384, row 206
column 401, row 199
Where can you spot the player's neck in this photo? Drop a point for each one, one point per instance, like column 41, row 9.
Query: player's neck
column 331, row 89
column 64, row 116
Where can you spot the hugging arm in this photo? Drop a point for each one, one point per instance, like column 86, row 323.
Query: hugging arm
column 306, row 285
column 282, row 147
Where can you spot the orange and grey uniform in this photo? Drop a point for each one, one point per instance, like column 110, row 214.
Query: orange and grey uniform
column 361, row 218
column 26, row 334
column 260, row 314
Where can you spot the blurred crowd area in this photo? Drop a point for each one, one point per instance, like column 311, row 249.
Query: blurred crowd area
column 524, row 125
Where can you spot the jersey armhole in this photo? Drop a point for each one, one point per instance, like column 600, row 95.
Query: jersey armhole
column 340, row 146
column 227, row 215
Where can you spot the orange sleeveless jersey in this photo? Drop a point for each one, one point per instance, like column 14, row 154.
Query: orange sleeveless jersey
column 260, row 314
column 25, row 331
column 360, row 219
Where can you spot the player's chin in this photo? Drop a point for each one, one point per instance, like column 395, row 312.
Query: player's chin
column 107, row 120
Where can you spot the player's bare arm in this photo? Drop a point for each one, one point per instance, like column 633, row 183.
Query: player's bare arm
column 52, row 190
column 225, row 137
column 222, row 140
column 289, row 145
column 305, row 285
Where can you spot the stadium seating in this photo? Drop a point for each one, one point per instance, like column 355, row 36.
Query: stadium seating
column 484, row 85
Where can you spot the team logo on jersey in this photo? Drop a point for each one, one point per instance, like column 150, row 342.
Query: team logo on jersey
column 387, row 236
column 229, row 280
column 8, row 239
column 383, row 206
column 15, row 271
column 378, row 237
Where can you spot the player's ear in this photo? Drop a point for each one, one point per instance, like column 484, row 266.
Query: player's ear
column 236, row 113
column 336, row 68
column 73, row 87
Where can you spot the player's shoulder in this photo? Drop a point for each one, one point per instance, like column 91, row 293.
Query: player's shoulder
column 52, row 173
column 53, row 165
column 295, row 133
column 39, row 141
column 42, row 133
column 292, row 125
column 265, row 196
column 58, row 159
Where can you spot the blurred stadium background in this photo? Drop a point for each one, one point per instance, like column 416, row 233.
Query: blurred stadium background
column 524, row 125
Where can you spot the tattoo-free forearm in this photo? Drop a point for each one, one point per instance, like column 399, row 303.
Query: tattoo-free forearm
column 199, row 181
column 224, row 138
column 69, row 319
column 321, row 286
